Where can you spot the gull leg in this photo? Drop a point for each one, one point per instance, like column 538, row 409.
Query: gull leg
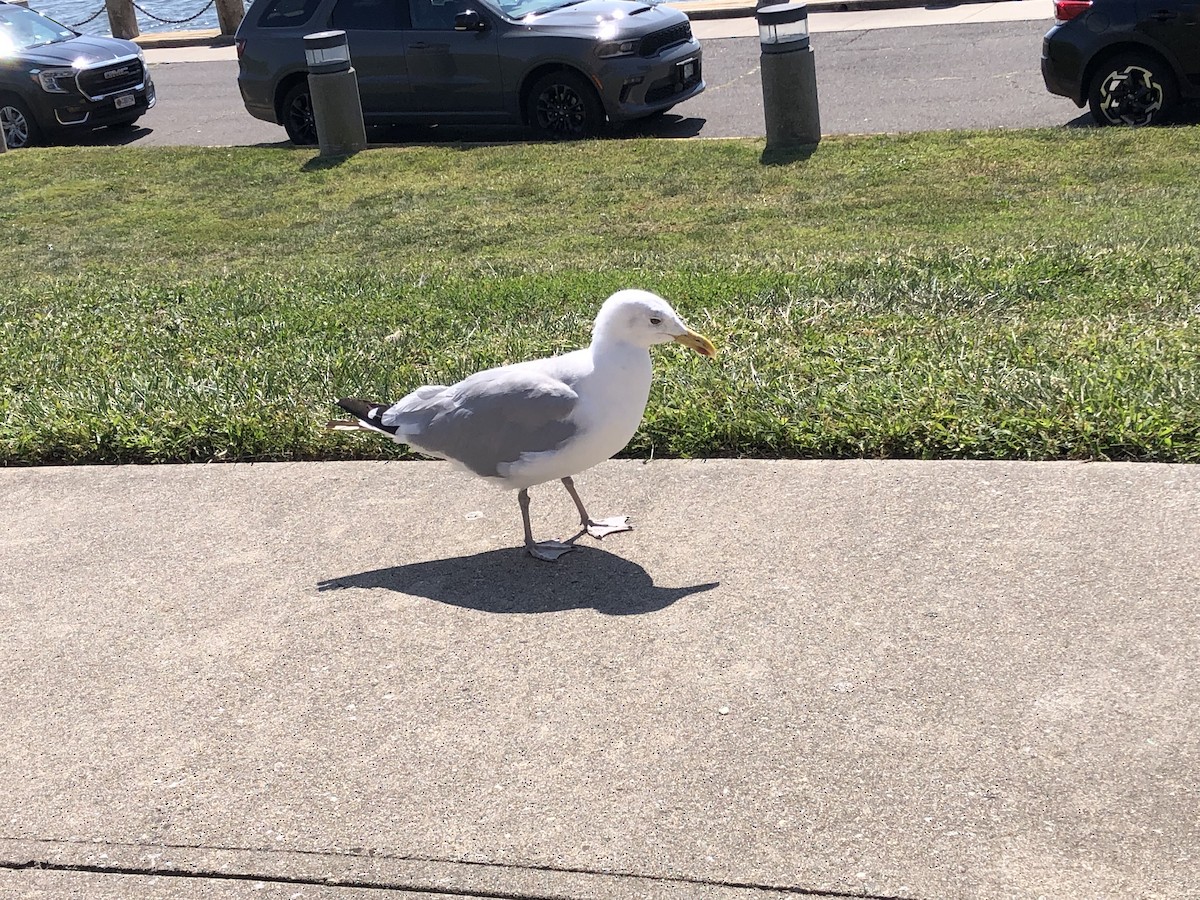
column 597, row 528
column 547, row 550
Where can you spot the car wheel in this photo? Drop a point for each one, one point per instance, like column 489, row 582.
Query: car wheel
column 1132, row 89
column 297, row 116
column 563, row 106
column 20, row 130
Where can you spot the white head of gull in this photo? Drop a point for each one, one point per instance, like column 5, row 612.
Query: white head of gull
column 545, row 419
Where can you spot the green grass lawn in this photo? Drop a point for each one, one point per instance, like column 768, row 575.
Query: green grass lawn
column 1023, row 295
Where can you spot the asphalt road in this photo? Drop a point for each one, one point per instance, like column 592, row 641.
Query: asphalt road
column 882, row 80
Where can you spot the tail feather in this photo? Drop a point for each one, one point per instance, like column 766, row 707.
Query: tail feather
column 368, row 414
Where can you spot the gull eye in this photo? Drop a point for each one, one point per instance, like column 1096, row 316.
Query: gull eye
column 655, row 320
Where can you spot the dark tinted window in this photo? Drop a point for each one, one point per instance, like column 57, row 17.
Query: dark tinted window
column 282, row 13
column 367, row 15
column 434, row 15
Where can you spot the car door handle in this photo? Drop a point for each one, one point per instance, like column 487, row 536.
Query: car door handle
column 1164, row 15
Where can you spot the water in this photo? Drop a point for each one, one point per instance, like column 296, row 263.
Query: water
column 72, row 12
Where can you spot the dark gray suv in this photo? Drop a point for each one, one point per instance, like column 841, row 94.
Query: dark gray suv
column 560, row 66
column 54, row 80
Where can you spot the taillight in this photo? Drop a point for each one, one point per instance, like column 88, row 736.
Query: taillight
column 1066, row 10
column 241, row 47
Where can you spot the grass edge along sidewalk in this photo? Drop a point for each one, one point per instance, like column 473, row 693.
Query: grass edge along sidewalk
column 1006, row 295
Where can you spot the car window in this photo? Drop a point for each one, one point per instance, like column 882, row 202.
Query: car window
column 368, row 15
column 434, row 15
column 284, row 13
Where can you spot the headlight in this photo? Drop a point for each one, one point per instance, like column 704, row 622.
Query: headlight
column 53, row 80
column 609, row 49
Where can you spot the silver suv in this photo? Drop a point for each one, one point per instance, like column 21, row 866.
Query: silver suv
column 560, row 66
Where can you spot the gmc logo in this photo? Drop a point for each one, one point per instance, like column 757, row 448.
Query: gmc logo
column 116, row 73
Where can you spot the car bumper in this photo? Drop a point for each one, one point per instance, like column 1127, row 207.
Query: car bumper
column 634, row 88
column 65, row 112
column 1062, row 69
column 256, row 97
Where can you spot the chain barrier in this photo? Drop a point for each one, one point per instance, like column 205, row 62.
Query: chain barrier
column 175, row 21
column 151, row 15
column 88, row 19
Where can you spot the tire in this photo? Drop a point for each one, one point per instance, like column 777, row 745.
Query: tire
column 20, row 129
column 1133, row 89
column 296, row 114
column 563, row 107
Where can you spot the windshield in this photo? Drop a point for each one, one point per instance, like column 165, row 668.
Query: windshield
column 22, row 28
column 518, row 9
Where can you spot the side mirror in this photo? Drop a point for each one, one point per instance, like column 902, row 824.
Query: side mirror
column 469, row 20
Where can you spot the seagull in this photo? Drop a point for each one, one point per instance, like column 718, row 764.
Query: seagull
column 532, row 422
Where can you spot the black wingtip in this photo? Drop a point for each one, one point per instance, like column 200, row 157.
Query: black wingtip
column 370, row 414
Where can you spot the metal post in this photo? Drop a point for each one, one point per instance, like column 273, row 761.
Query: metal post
column 333, row 86
column 229, row 15
column 789, row 77
column 122, row 20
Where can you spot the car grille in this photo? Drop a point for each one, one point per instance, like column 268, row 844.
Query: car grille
column 111, row 77
column 653, row 44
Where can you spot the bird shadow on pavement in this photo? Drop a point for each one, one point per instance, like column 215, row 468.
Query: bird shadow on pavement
column 509, row 581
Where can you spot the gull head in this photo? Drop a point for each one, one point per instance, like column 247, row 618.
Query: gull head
column 645, row 319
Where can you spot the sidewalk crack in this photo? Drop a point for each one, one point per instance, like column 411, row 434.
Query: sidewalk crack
column 401, row 886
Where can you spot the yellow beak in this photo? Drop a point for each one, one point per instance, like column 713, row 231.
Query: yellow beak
column 697, row 342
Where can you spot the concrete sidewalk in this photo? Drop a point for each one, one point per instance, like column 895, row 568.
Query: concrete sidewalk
column 881, row 679
column 721, row 20
column 697, row 10
column 730, row 18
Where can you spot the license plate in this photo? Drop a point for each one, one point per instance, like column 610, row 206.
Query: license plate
column 125, row 100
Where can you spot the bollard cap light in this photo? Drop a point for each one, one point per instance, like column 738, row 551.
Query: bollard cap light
column 327, row 51
column 783, row 23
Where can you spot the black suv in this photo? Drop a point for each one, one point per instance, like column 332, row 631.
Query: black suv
column 54, row 80
column 1131, row 61
column 561, row 66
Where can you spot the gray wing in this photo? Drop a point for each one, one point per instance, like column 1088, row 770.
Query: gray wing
column 491, row 418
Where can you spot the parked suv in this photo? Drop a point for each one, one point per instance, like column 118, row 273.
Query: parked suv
column 54, row 80
column 1131, row 61
column 560, row 66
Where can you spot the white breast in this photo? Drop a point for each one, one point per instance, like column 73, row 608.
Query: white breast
column 612, row 399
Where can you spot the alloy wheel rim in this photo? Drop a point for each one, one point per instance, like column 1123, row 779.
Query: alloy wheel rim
column 302, row 118
column 16, row 129
column 560, row 110
column 1131, row 96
